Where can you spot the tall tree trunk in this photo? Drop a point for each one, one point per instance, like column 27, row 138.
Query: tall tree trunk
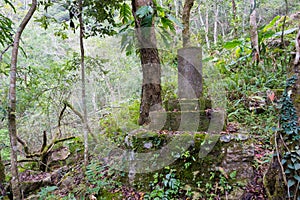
column 216, row 24
column 151, row 88
column 85, row 118
column 12, row 103
column 253, row 32
column 207, row 28
column 234, row 18
column 222, row 29
column 186, row 36
column 205, row 25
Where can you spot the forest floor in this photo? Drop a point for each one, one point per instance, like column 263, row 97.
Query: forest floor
column 71, row 178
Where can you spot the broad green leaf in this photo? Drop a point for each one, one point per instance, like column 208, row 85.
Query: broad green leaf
column 232, row 174
column 266, row 35
column 271, row 24
column 297, row 166
column 291, row 166
column 287, row 171
column 232, row 44
column 144, row 11
column 176, row 21
column 167, row 23
column 125, row 13
column 297, row 178
column 291, row 182
column 147, row 21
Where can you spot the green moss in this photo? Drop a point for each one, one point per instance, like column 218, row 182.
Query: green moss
column 107, row 195
column 204, row 103
column 201, row 104
column 274, row 189
column 181, row 120
column 148, row 141
column 188, row 167
column 198, row 139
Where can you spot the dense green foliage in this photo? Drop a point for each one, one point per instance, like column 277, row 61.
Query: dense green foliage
column 290, row 130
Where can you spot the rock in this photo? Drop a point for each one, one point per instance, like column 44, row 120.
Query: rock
column 239, row 158
column 148, row 145
column 31, row 181
column 237, row 193
column 242, row 137
column 225, row 138
column 67, row 182
column 61, row 153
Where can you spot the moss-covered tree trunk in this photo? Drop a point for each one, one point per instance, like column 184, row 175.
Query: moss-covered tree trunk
column 145, row 32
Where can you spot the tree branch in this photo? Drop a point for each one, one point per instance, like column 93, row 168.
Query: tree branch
column 81, row 118
column 4, row 51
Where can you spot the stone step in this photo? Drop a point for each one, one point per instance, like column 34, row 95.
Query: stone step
column 187, row 121
column 188, row 104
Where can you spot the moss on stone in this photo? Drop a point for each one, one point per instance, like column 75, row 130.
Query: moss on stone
column 148, row 141
column 181, row 120
column 274, row 189
column 202, row 103
column 189, row 167
column 198, row 139
column 107, row 195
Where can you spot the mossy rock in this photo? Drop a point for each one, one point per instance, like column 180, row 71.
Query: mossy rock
column 196, row 121
column 108, row 195
column 148, row 141
column 191, row 169
column 188, row 104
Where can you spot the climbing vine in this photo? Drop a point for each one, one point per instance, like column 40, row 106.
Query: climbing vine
column 290, row 138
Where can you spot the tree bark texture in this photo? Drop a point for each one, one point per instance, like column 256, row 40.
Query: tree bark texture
column 12, row 103
column 186, row 35
column 151, row 67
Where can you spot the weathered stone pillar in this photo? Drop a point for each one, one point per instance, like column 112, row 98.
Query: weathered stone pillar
column 190, row 73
